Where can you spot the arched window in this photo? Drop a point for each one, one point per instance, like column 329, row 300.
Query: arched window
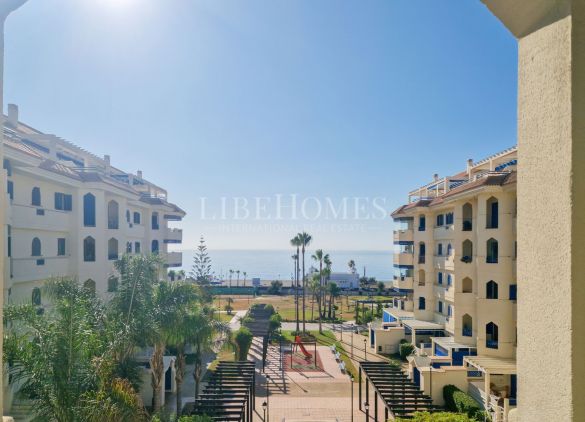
column 113, row 217
column 492, row 251
column 89, row 285
column 422, row 223
column 89, row 210
column 491, row 290
column 467, row 251
column 89, row 249
column 491, row 213
column 421, row 303
column 112, row 284
column 421, row 277
column 467, row 217
column 136, row 217
column 422, row 250
column 36, row 296
column 36, row 247
column 491, row 336
column 36, row 197
column 112, row 249
column 449, row 218
column 155, row 221
column 154, row 247
column 467, row 325
column 467, row 285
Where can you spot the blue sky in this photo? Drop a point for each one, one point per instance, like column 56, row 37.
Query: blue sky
column 224, row 98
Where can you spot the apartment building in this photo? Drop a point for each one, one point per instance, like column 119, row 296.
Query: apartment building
column 455, row 265
column 71, row 213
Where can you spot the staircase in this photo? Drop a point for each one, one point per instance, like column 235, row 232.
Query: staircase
column 21, row 410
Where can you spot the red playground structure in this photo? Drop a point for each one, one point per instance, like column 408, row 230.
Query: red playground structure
column 298, row 344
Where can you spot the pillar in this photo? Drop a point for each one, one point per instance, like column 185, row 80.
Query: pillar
column 360, row 387
column 551, row 205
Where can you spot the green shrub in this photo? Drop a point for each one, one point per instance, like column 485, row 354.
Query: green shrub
column 459, row 401
column 405, row 350
column 243, row 340
column 438, row 417
column 195, row 418
column 403, row 340
column 274, row 323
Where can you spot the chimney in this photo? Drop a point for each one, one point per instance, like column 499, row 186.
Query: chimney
column 436, row 177
column 107, row 161
column 13, row 115
column 139, row 174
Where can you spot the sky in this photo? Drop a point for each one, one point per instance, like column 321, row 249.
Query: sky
column 282, row 115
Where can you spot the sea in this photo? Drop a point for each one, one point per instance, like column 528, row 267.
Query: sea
column 278, row 264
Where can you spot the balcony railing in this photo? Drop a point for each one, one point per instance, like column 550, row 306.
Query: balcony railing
column 466, row 259
column 467, row 225
column 467, row 332
column 421, row 259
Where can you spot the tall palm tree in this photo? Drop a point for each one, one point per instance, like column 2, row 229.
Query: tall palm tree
column 245, row 274
column 231, row 274
column 314, row 287
column 296, row 242
column 238, row 282
column 351, row 265
column 326, row 274
column 318, row 256
column 305, row 239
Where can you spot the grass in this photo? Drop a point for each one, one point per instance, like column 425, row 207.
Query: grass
column 226, row 353
column 224, row 317
column 328, row 339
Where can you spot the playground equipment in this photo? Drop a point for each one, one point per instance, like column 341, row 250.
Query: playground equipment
column 299, row 345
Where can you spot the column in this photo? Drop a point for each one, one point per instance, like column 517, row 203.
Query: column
column 551, row 205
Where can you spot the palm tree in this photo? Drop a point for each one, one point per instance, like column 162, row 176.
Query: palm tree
column 318, row 256
column 238, row 282
column 305, row 240
column 231, row 274
column 351, row 265
column 296, row 242
column 170, row 300
column 314, row 288
column 326, row 274
column 245, row 274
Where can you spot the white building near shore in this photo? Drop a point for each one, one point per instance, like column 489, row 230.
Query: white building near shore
column 345, row 280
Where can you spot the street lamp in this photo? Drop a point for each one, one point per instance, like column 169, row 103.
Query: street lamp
column 6, row 8
column 267, row 398
column 351, row 387
column 367, row 407
column 365, row 351
column 264, row 407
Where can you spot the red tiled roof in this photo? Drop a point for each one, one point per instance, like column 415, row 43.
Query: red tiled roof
column 19, row 146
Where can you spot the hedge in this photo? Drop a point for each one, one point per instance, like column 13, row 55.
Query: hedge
column 461, row 402
column 438, row 417
column 405, row 350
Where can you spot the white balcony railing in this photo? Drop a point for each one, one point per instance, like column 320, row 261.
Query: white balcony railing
column 39, row 268
column 174, row 259
column 173, row 236
column 38, row 218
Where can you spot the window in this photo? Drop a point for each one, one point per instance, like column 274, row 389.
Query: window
column 449, row 218
column 421, row 303
column 449, row 280
column 491, row 290
column 112, row 249
column 421, row 277
column 36, row 296
column 421, row 252
column 492, row 251
column 128, row 216
column 10, row 189
column 491, row 336
column 513, row 292
column 36, row 197
column 467, row 285
column 136, row 247
column 63, row 201
column 61, row 246
column 449, row 310
column 467, row 251
column 9, row 246
column 89, row 210
column 422, row 222
column 113, row 217
column 440, row 307
column 136, row 218
column 7, row 166
column 155, row 221
column 36, row 247
column 467, row 217
column 112, row 284
column 89, row 285
column 440, row 249
column 154, row 247
column 491, row 213
column 440, row 220
column 128, row 247
column 440, row 278
column 89, row 249
column 449, row 249
column 467, row 326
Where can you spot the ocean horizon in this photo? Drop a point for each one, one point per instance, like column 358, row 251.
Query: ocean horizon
column 278, row 264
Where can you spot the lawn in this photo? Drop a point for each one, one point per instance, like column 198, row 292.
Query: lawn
column 328, row 339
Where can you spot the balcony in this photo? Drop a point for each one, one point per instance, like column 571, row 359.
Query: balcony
column 421, row 259
column 173, row 236
column 35, row 218
column 444, row 232
column 404, row 258
column 174, row 259
column 135, row 230
column 403, row 235
column 39, row 268
column 403, row 283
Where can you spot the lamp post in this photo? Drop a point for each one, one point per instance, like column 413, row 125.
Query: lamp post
column 367, row 407
column 351, row 387
column 6, row 8
column 365, row 350
column 352, row 344
column 267, row 397
column 264, row 407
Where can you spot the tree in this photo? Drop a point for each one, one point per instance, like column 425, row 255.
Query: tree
column 245, row 274
column 231, row 275
column 228, row 307
column 381, row 287
column 319, row 257
column 333, row 290
column 275, row 287
column 305, row 239
column 201, row 269
column 296, row 242
column 243, row 340
column 238, row 280
column 314, row 288
column 351, row 265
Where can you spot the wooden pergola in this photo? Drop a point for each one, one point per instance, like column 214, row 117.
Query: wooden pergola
column 400, row 395
column 229, row 395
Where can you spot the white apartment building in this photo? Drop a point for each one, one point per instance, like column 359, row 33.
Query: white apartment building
column 455, row 264
column 71, row 213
